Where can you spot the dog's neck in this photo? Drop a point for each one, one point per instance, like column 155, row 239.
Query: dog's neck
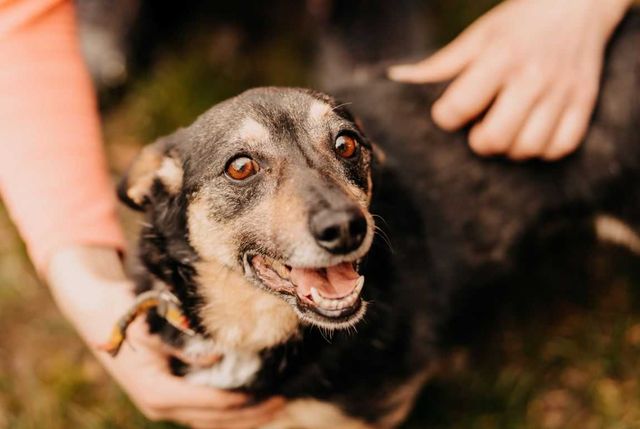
column 239, row 316
column 217, row 300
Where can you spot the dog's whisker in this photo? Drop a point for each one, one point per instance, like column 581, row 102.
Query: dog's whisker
column 384, row 238
column 326, row 334
column 381, row 230
column 352, row 328
column 341, row 105
column 377, row 216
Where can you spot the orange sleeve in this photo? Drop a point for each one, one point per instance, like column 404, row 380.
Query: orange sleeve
column 53, row 173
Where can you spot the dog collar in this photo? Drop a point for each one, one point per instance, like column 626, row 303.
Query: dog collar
column 166, row 305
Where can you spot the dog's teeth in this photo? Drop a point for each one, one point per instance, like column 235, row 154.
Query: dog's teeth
column 359, row 285
column 351, row 299
column 333, row 305
column 316, row 296
column 329, row 313
column 346, row 302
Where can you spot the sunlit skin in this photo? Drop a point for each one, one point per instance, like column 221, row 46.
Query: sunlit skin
column 530, row 69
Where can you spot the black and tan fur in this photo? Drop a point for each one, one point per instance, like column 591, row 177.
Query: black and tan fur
column 429, row 192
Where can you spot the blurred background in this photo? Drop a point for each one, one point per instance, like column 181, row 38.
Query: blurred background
column 539, row 351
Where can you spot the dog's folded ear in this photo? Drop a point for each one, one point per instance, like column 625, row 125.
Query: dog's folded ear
column 379, row 156
column 158, row 168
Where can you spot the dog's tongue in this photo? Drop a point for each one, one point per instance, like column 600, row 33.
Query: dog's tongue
column 333, row 282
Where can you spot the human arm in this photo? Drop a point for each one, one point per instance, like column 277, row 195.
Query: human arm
column 92, row 291
column 55, row 184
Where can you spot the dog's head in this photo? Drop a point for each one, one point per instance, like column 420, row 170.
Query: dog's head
column 273, row 185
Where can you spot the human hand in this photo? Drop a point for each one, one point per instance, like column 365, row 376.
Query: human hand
column 91, row 290
column 532, row 65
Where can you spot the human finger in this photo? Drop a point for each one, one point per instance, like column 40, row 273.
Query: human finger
column 469, row 94
column 497, row 131
column 539, row 128
column 575, row 122
column 445, row 63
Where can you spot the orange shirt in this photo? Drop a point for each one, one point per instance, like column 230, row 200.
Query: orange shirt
column 53, row 172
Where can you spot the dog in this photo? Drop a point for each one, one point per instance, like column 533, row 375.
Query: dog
column 261, row 225
column 257, row 220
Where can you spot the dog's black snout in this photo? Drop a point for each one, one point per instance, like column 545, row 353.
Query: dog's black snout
column 339, row 231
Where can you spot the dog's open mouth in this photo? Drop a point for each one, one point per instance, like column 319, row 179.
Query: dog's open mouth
column 332, row 292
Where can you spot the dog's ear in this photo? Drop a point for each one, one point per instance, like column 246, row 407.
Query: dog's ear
column 157, row 165
column 379, row 156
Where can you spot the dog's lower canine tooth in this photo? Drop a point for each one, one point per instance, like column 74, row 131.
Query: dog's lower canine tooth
column 351, row 299
column 316, row 295
column 359, row 285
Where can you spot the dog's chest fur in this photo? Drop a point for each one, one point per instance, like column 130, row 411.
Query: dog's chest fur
column 235, row 368
column 237, row 323
column 237, row 315
column 241, row 321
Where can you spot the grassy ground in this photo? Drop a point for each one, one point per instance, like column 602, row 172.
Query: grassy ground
column 570, row 363
column 566, row 359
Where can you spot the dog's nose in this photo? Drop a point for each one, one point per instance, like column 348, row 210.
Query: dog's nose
column 339, row 231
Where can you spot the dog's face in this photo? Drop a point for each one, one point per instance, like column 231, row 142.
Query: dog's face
column 275, row 184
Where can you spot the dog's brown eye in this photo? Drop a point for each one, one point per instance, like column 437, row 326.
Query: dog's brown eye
column 346, row 146
column 242, row 168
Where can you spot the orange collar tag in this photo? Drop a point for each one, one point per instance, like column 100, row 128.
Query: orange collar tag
column 166, row 305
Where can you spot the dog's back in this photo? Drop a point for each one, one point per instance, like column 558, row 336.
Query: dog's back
column 474, row 210
column 450, row 219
